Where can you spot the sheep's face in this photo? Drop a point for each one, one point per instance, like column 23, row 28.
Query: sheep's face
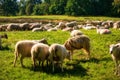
column 113, row 48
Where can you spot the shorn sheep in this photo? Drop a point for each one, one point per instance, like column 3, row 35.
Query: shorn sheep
column 23, row 48
column 115, row 53
column 58, row 53
column 39, row 52
column 78, row 42
column 3, row 36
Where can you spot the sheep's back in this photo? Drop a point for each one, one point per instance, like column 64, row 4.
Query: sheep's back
column 24, row 47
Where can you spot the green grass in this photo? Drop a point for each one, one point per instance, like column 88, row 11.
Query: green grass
column 62, row 17
column 99, row 67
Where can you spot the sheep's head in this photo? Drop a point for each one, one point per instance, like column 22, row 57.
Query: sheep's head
column 43, row 41
column 69, row 56
column 113, row 48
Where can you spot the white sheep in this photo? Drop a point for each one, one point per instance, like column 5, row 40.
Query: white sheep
column 39, row 52
column 58, row 53
column 102, row 30
column 115, row 53
column 78, row 42
column 76, row 33
column 23, row 48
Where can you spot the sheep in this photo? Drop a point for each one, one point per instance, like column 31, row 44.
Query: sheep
column 24, row 48
column 3, row 36
column 35, row 25
column 114, row 50
column 75, row 33
column 116, row 25
column 58, row 53
column 25, row 26
column 78, row 42
column 103, row 31
column 71, row 24
column 13, row 27
column 39, row 52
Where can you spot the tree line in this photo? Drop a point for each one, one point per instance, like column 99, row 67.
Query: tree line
column 60, row 7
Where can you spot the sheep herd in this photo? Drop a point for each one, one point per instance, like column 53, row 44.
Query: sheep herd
column 40, row 50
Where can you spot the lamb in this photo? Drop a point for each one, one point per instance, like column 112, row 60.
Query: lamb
column 39, row 52
column 3, row 36
column 58, row 53
column 23, row 48
column 75, row 33
column 78, row 42
column 115, row 53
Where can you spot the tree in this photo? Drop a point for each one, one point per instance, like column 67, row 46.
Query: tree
column 116, row 8
column 8, row 9
column 74, row 8
column 58, row 7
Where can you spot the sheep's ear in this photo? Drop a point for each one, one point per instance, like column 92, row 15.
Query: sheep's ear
column 117, row 45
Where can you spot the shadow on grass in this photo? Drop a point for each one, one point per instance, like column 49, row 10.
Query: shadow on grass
column 4, row 48
column 70, row 69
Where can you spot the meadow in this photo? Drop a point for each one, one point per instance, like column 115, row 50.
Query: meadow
column 99, row 67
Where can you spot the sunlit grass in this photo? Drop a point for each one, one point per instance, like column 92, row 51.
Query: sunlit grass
column 100, row 67
column 63, row 17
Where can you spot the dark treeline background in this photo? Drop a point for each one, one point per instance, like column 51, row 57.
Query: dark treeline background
column 60, row 7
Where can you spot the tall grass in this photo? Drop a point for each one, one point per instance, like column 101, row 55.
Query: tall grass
column 99, row 67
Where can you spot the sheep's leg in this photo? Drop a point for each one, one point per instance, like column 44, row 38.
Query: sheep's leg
column 116, row 67
column 62, row 66
column 71, row 54
column 119, row 70
column 15, row 60
column 87, row 51
column 21, row 60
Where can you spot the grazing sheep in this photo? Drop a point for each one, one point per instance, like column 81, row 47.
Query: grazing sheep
column 103, row 31
column 116, row 25
column 39, row 52
column 3, row 27
column 71, row 24
column 24, row 48
column 61, row 25
column 13, row 27
column 115, row 53
column 76, row 33
column 35, row 25
column 25, row 26
column 78, row 42
column 2, row 36
column 58, row 53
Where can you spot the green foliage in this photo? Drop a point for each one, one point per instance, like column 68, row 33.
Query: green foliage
column 116, row 8
column 99, row 67
column 9, row 7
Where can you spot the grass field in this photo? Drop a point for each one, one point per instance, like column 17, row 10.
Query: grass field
column 99, row 67
column 61, row 17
